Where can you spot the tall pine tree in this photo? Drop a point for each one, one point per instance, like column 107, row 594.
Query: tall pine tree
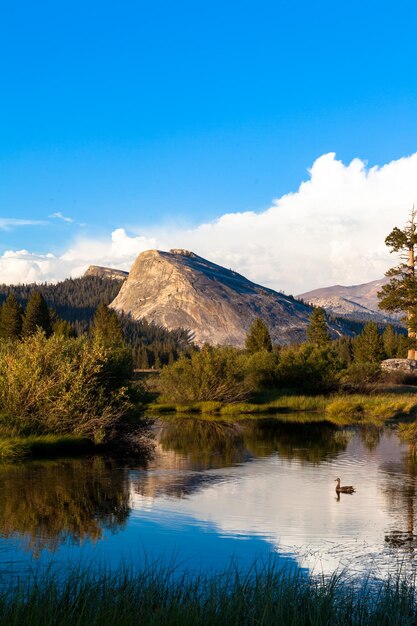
column 400, row 294
column 106, row 327
column 36, row 316
column 258, row 337
column 368, row 347
column 317, row 332
column 11, row 318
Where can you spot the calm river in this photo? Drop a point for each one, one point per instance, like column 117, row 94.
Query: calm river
column 205, row 492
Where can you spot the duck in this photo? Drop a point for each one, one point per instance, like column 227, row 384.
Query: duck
column 345, row 489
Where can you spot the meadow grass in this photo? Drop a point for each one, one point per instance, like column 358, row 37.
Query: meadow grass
column 285, row 403
column 263, row 596
column 40, row 446
column 344, row 408
column 371, row 407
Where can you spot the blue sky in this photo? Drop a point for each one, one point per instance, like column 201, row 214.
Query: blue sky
column 167, row 115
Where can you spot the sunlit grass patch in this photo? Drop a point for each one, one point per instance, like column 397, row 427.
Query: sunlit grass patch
column 284, row 403
column 378, row 406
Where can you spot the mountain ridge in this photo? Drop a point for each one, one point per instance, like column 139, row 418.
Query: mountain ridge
column 179, row 289
column 355, row 302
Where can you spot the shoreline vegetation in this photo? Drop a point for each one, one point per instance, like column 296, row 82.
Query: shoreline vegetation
column 13, row 449
column 351, row 407
column 263, row 595
column 67, row 394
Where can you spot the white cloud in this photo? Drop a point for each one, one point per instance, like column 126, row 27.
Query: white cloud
column 119, row 251
column 59, row 216
column 331, row 230
column 8, row 223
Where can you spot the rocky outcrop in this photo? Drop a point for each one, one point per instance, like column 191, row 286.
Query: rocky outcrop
column 400, row 365
column 106, row 272
column 179, row 289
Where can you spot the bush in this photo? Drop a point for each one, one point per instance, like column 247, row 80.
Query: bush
column 56, row 385
column 359, row 375
column 309, row 368
column 213, row 374
column 261, row 369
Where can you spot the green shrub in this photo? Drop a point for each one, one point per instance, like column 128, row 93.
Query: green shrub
column 359, row 375
column 57, row 385
column 310, row 368
column 261, row 369
column 213, row 374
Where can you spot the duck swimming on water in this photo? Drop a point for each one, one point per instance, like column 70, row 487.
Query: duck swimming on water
column 345, row 489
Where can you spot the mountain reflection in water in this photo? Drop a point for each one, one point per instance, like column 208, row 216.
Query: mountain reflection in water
column 204, row 485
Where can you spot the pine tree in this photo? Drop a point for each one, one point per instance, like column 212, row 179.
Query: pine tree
column 258, row 337
column 36, row 316
column 106, row 326
column 400, row 294
column 11, row 318
column 402, row 347
column 344, row 350
column 62, row 328
column 368, row 347
column 390, row 341
column 317, row 332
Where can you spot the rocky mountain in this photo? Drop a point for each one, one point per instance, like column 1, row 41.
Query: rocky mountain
column 180, row 289
column 357, row 302
column 106, row 272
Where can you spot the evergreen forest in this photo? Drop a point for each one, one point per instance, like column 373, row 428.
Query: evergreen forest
column 72, row 304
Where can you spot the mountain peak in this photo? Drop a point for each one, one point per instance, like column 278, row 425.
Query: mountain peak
column 106, row 272
column 179, row 289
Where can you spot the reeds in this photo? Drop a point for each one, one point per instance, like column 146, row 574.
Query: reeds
column 157, row 597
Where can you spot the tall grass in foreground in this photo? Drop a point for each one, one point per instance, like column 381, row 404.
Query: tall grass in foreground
column 157, row 597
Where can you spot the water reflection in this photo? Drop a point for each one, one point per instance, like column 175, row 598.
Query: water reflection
column 370, row 434
column 209, row 484
column 401, row 497
column 208, row 444
column 312, row 442
column 47, row 503
column 204, row 443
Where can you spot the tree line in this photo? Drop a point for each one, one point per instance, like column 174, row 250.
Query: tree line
column 318, row 365
column 68, row 308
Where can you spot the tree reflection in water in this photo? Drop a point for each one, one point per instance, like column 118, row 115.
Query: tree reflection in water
column 52, row 502
column 308, row 442
column 401, row 497
column 205, row 443
column 214, row 444
column 47, row 503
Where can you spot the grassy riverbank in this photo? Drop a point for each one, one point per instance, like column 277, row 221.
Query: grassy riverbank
column 337, row 407
column 14, row 449
column 155, row 597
